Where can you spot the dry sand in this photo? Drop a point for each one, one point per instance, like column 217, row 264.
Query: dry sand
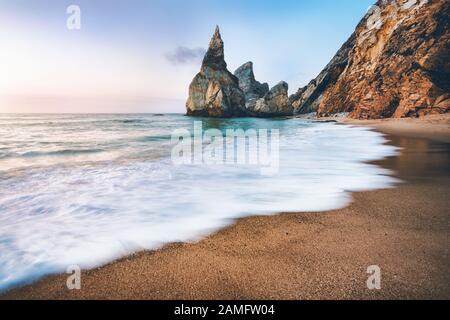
column 404, row 230
column 435, row 127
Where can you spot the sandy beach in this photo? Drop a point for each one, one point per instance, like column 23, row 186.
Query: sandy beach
column 196, row 150
column 434, row 127
column 404, row 230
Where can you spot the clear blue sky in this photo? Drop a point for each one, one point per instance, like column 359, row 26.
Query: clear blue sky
column 130, row 49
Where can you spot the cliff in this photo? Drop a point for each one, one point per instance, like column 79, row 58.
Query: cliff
column 395, row 64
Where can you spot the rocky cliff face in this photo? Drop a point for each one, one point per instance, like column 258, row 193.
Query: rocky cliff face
column 396, row 64
column 215, row 92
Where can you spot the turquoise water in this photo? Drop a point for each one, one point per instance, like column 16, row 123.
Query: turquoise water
column 87, row 189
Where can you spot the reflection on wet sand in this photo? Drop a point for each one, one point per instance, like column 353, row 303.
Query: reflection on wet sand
column 419, row 159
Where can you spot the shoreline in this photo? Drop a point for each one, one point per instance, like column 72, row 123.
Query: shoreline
column 303, row 255
column 433, row 127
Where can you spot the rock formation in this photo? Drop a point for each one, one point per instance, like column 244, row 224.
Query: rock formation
column 274, row 103
column 396, row 64
column 308, row 98
column 252, row 89
column 215, row 92
column 259, row 100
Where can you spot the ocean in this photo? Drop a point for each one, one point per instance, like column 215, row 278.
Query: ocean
column 86, row 189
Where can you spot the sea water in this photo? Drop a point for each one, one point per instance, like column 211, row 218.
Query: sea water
column 87, row 189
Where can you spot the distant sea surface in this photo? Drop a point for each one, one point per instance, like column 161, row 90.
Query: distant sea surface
column 87, row 189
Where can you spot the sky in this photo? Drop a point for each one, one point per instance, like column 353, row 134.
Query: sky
column 141, row 55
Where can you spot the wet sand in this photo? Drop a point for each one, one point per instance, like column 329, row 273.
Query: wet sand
column 405, row 231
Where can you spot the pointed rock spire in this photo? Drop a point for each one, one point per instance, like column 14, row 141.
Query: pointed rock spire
column 215, row 57
column 214, row 91
column 217, row 32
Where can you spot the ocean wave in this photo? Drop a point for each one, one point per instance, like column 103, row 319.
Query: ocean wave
column 128, row 121
column 155, row 138
column 88, row 215
column 65, row 152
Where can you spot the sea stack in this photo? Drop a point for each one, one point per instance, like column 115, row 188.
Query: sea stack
column 252, row 89
column 275, row 103
column 215, row 91
column 259, row 100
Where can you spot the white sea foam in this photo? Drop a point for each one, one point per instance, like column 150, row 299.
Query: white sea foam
column 90, row 212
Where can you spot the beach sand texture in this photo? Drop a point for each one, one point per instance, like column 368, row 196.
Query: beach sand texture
column 405, row 231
